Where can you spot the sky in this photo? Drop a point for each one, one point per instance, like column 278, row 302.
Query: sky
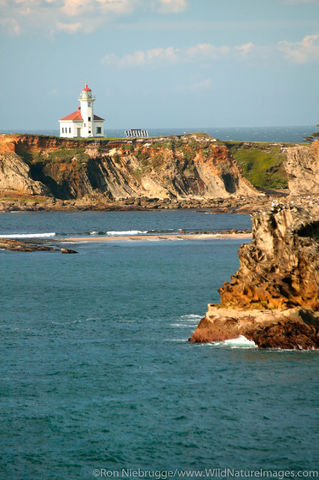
column 160, row 63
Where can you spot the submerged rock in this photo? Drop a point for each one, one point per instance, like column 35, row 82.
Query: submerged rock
column 273, row 299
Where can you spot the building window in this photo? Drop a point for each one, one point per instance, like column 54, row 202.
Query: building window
column 89, row 119
column 89, row 104
column 89, row 131
column 62, row 130
column 70, row 130
column 99, row 130
column 85, row 125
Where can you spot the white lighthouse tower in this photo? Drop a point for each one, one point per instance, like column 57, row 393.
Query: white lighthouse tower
column 86, row 101
column 82, row 122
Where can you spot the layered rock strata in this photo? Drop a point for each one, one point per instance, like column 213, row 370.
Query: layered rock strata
column 273, row 299
column 302, row 167
column 185, row 168
column 15, row 176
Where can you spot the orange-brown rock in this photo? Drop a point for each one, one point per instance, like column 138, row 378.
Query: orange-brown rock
column 19, row 246
column 273, row 299
column 294, row 328
column 20, row 143
column 184, row 168
column 279, row 269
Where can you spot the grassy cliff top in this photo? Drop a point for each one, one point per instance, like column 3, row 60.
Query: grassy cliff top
column 262, row 163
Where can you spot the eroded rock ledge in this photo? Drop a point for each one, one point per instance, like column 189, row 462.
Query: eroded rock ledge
column 273, row 299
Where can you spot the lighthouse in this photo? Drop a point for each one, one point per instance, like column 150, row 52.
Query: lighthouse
column 83, row 122
column 86, row 101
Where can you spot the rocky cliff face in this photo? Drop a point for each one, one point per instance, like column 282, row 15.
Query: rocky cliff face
column 273, row 299
column 302, row 167
column 280, row 268
column 15, row 176
column 191, row 166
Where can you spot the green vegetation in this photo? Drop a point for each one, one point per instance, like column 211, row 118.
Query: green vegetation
column 261, row 163
column 61, row 155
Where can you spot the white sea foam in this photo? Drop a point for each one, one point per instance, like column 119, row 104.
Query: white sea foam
column 192, row 316
column 187, row 321
column 78, row 320
column 126, row 232
column 184, row 325
column 180, row 340
column 93, row 233
column 29, row 235
column 239, row 342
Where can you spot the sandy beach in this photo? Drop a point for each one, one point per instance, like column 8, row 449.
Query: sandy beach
column 125, row 238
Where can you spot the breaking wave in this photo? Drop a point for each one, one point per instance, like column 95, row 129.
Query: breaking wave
column 29, row 235
column 239, row 342
column 126, row 232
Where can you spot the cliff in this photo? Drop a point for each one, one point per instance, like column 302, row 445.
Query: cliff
column 273, row 299
column 186, row 167
column 15, row 176
column 302, row 168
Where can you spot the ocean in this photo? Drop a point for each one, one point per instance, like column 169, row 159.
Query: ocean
column 98, row 379
column 251, row 134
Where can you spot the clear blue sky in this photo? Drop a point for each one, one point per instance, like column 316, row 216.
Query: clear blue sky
column 160, row 63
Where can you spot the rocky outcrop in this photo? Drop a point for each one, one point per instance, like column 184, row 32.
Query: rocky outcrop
column 295, row 328
column 273, row 299
column 15, row 176
column 302, row 168
column 168, row 168
column 30, row 246
column 19, row 246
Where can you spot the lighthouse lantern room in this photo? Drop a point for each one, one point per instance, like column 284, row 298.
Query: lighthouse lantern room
column 82, row 122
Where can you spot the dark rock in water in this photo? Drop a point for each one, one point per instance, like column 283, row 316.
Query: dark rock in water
column 68, row 250
column 18, row 246
column 273, row 299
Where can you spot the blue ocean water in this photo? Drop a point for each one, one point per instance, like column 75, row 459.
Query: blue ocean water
column 97, row 374
column 257, row 134
column 64, row 224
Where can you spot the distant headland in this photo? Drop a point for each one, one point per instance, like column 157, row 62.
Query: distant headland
column 180, row 171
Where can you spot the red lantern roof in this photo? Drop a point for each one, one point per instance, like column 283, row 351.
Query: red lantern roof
column 86, row 88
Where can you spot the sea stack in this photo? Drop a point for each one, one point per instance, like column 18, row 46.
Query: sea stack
column 273, row 299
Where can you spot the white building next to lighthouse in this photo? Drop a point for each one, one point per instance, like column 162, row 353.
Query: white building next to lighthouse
column 82, row 122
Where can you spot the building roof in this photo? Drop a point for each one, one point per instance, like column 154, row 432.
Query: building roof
column 86, row 88
column 74, row 115
column 77, row 116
